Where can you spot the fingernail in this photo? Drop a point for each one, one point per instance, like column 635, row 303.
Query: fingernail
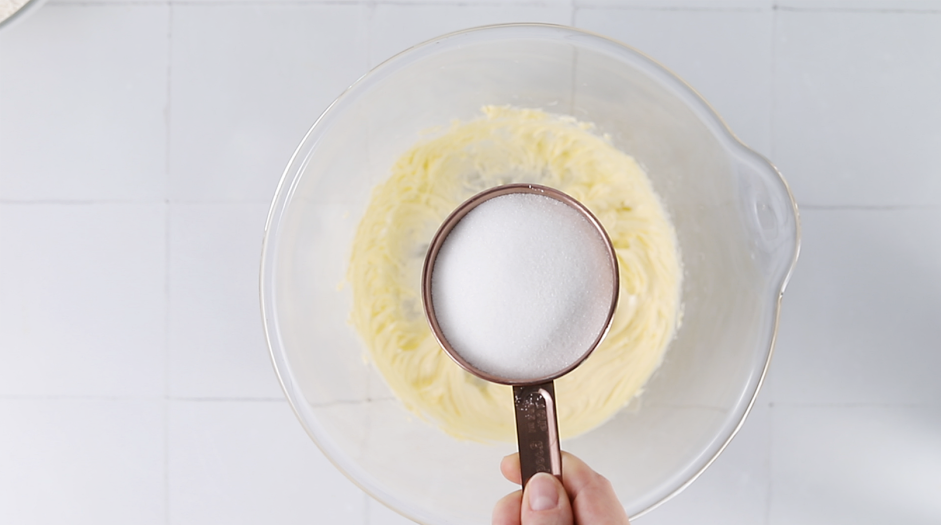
column 543, row 494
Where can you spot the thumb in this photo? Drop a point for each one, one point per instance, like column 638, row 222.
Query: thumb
column 545, row 502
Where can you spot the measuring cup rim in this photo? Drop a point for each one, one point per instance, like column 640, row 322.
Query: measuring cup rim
column 454, row 218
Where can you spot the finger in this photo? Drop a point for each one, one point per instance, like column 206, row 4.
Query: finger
column 593, row 498
column 507, row 510
column 545, row 502
column 510, row 468
column 576, row 474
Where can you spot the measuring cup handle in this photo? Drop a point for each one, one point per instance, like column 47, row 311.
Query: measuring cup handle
column 537, row 430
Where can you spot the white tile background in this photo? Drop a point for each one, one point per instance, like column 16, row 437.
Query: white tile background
column 140, row 143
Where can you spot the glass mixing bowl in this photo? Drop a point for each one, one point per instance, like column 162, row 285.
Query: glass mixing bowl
column 735, row 220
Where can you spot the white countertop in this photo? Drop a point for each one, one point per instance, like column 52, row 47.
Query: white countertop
column 141, row 143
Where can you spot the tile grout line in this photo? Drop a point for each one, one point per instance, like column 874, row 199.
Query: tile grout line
column 166, row 368
column 774, row 72
column 231, row 400
column 257, row 3
column 870, row 207
column 888, row 405
column 30, row 397
column 368, row 14
column 62, row 397
column 165, row 200
column 78, row 202
column 366, row 496
column 673, row 9
column 858, row 405
column 770, row 463
column 167, row 227
column 221, row 3
column 458, row 3
column 874, row 10
column 772, row 143
column 573, row 85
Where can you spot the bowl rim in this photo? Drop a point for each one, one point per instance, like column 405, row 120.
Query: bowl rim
column 298, row 161
column 22, row 13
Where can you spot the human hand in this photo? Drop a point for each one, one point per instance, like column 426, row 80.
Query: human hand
column 583, row 498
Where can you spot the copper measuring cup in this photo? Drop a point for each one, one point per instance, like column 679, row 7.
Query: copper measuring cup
column 534, row 398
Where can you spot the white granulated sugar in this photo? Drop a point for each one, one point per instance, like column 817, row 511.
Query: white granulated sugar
column 521, row 286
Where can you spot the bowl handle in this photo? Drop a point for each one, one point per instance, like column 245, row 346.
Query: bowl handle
column 771, row 215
